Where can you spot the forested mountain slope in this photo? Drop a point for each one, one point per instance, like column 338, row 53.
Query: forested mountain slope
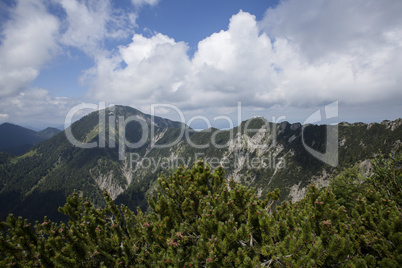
column 17, row 140
column 257, row 153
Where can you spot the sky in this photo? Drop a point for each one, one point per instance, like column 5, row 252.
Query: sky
column 281, row 59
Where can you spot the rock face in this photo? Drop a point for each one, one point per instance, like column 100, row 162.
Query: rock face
column 257, row 153
column 297, row 193
column 393, row 125
column 108, row 182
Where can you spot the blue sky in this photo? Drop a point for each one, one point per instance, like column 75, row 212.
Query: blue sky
column 280, row 59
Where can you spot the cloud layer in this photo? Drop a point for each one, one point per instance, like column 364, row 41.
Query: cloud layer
column 299, row 55
column 302, row 54
column 36, row 107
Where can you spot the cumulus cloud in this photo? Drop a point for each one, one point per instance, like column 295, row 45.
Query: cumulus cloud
column 154, row 68
column 266, row 64
column 158, row 69
column 233, row 65
column 28, row 42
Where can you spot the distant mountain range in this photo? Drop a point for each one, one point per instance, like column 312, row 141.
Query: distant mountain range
column 17, row 140
column 257, row 153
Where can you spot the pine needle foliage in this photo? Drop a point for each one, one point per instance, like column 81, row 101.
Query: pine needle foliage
column 199, row 219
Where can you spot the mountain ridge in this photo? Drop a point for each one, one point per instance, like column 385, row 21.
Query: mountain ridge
column 17, row 140
column 269, row 156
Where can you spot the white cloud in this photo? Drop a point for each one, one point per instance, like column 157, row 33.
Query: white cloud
column 36, row 107
column 90, row 22
column 299, row 55
column 324, row 29
column 140, row 3
column 33, row 36
column 28, row 43
column 154, row 67
column 233, row 65
column 158, row 69
column 4, row 117
column 343, row 50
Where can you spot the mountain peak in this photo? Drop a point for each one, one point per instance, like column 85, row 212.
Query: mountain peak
column 123, row 110
column 48, row 133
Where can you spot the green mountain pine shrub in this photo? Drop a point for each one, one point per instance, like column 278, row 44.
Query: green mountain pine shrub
column 197, row 219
